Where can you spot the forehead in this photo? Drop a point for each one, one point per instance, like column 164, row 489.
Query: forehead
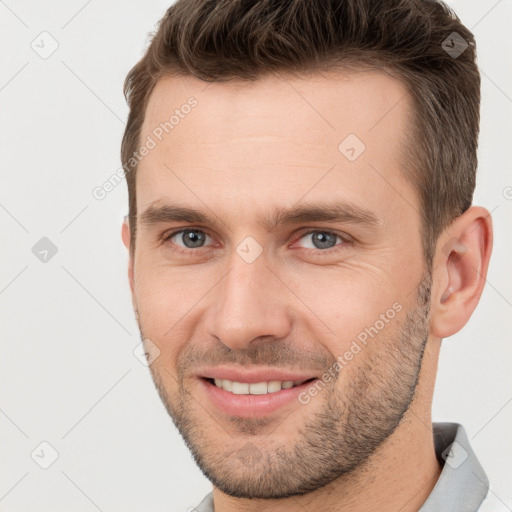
column 331, row 102
column 275, row 139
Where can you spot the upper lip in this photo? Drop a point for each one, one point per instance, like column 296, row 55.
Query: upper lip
column 254, row 375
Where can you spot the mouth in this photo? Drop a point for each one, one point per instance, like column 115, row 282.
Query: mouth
column 254, row 399
column 256, row 388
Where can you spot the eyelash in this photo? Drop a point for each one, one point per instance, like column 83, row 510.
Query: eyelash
column 345, row 240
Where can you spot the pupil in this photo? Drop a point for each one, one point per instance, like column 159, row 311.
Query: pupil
column 323, row 240
column 193, row 238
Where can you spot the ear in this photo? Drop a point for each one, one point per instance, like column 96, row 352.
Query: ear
column 460, row 268
column 126, row 236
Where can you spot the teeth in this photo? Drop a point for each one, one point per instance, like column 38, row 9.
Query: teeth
column 256, row 388
column 273, row 386
column 240, row 388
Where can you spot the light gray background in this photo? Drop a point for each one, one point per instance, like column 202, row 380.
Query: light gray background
column 68, row 373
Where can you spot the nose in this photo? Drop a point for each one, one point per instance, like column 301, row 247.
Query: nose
column 249, row 303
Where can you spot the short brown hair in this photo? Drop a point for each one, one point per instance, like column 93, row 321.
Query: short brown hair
column 421, row 42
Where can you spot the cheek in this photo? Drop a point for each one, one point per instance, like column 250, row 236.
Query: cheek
column 343, row 304
column 163, row 301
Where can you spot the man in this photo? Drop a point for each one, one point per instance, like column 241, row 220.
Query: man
column 301, row 238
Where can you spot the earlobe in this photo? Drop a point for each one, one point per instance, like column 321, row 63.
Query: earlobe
column 125, row 233
column 461, row 263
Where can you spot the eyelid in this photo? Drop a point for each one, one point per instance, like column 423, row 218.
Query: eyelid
column 166, row 236
column 345, row 238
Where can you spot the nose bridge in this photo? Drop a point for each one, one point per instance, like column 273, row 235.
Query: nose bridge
column 248, row 304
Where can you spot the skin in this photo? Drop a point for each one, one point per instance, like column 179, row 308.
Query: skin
column 245, row 149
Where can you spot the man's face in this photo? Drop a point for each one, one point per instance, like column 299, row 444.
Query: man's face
column 273, row 298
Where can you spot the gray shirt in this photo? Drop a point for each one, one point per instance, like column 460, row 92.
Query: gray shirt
column 462, row 485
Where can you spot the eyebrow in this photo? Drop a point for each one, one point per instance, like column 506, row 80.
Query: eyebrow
column 344, row 212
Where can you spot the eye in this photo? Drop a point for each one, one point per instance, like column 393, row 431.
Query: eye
column 323, row 240
column 317, row 240
column 187, row 238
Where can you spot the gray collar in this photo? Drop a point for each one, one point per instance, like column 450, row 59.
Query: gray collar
column 462, row 485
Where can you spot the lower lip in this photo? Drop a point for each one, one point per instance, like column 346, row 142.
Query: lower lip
column 251, row 406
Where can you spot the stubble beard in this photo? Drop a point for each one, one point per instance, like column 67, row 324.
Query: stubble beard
column 330, row 442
